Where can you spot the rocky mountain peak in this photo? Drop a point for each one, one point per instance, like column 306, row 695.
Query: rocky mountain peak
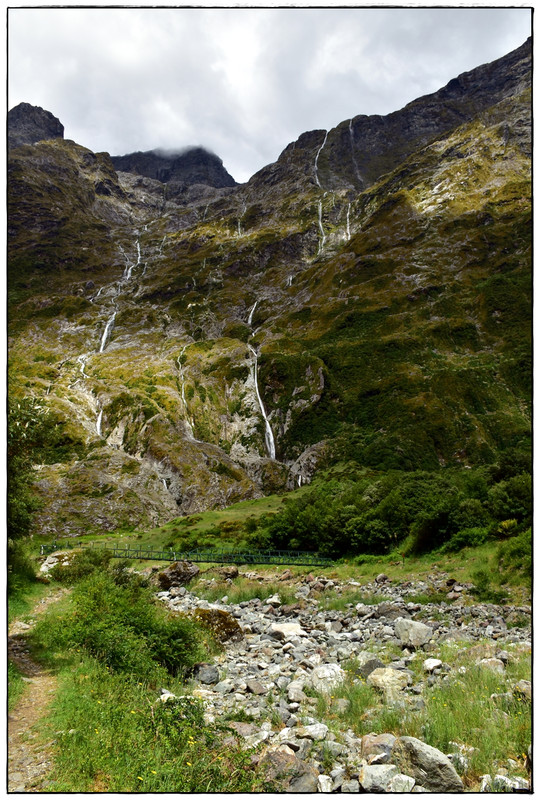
column 28, row 124
column 193, row 165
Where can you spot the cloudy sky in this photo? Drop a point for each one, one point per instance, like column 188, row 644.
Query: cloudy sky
column 243, row 82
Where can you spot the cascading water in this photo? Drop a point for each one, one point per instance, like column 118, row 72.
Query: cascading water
column 107, row 332
column 348, row 222
column 82, row 361
column 289, row 280
column 319, row 151
column 188, row 421
column 268, row 435
column 250, row 317
column 322, row 240
column 239, row 230
column 98, row 422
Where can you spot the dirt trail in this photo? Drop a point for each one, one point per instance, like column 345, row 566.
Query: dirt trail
column 29, row 761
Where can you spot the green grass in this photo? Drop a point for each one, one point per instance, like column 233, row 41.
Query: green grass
column 241, row 590
column 459, row 709
column 24, row 598
column 15, row 685
column 115, row 736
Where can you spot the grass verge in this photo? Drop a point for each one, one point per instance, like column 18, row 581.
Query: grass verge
column 114, row 735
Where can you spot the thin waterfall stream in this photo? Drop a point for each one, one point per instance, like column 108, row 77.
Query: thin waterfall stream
column 268, row 435
column 322, row 240
column 319, row 151
column 188, row 421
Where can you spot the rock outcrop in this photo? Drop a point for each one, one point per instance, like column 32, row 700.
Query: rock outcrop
column 171, row 326
column 193, row 165
column 28, row 124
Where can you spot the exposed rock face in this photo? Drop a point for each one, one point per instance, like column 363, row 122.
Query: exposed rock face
column 378, row 312
column 359, row 151
column 191, row 166
column 27, row 124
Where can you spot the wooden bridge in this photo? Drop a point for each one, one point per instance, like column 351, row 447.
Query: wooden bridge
column 146, row 552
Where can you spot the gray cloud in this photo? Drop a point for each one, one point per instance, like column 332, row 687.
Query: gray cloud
column 241, row 82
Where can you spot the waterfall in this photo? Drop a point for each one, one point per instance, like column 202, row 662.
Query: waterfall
column 164, row 482
column 239, row 230
column 268, row 435
column 187, row 420
column 82, row 361
column 250, row 317
column 317, row 159
column 348, row 222
column 289, row 280
column 322, row 240
column 98, row 422
column 107, row 332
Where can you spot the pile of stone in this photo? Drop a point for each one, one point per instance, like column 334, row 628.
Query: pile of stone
column 286, row 651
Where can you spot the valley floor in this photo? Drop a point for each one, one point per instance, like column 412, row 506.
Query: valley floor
column 326, row 683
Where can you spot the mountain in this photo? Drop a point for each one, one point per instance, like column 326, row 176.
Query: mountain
column 29, row 124
column 366, row 298
column 193, row 165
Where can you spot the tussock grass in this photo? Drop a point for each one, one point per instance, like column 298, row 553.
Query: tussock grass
column 242, row 590
column 470, row 707
column 114, row 736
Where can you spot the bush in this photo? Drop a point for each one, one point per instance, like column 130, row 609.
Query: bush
column 120, row 625
column 468, row 537
column 515, row 557
column 484, row 590
column 81, row 565
column 512, row 499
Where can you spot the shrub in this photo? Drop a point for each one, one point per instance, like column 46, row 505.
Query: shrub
column 512, row 499
column 81, row 565
column 484, row 590
column 515, row 557
column 468, row 537
column 120, row 625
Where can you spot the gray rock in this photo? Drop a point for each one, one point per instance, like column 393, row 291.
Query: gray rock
column 326, row 677
column 206, row 673
column 352, row 787
column 295, row 693
column 493, row 664
column 376, row 777
column 317, row 731
column 178, row 574
column 431, row 664
column 324, row 783
column 377, row 747
column 390, row 681
column 523, row 688
column 427, row 765
column 401, row 783
column 256, row 687
column 288, row 771
column 411, row 633
column 366, row 669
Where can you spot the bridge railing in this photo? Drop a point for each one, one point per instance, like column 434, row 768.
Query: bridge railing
column 219, row 556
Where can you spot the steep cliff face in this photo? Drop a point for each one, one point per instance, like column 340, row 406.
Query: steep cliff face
column 29, row 124
column 367, row 297
column 194, row 165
